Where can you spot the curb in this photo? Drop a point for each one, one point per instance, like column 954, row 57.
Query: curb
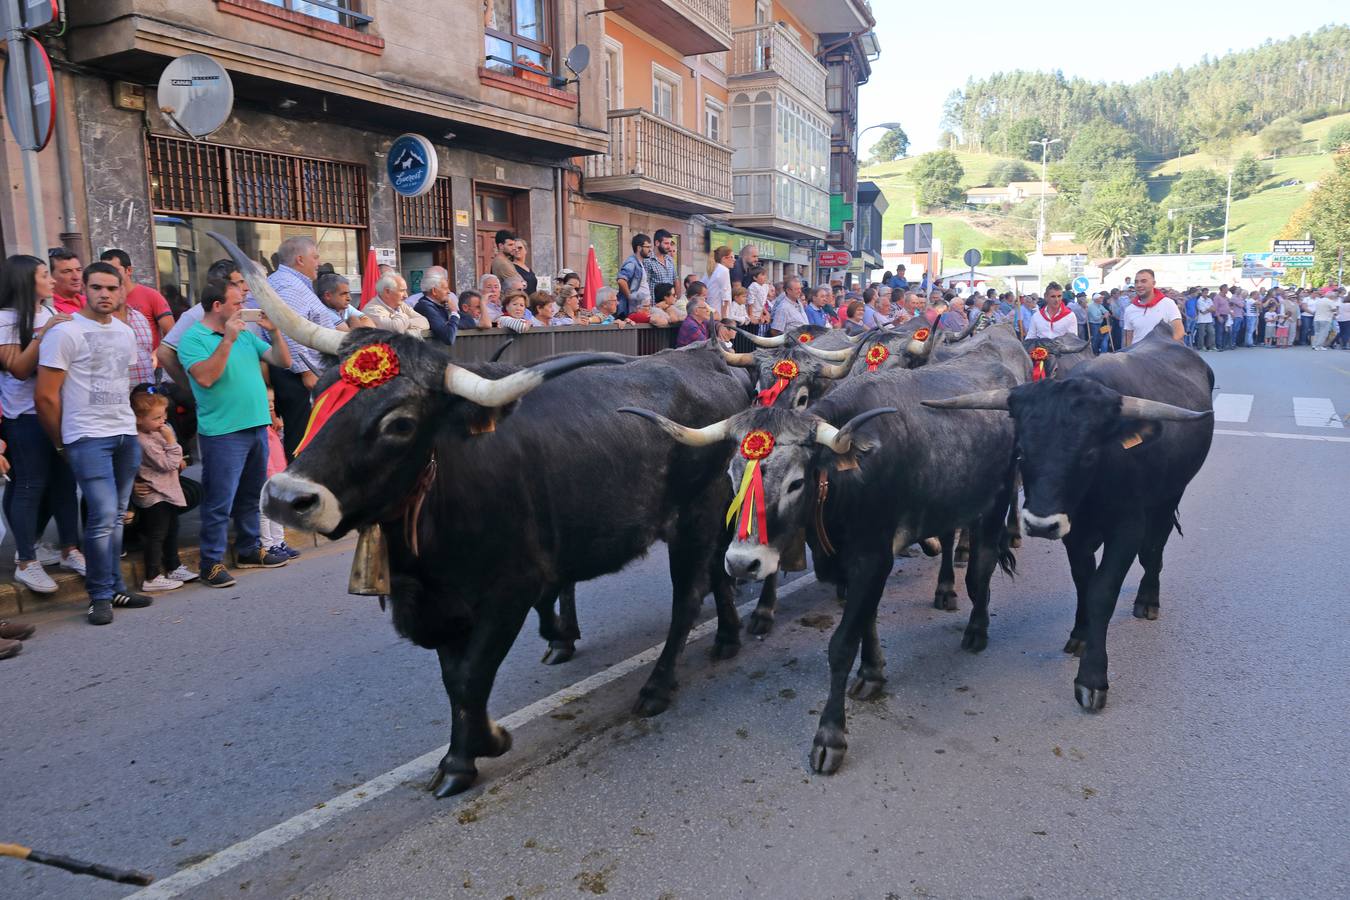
column 17, row 600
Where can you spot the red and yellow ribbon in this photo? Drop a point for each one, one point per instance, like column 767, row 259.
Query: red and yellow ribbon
column 784, row 370
column 749, row 499
column 876, row 356
column 369, row 367
column 1038, row 357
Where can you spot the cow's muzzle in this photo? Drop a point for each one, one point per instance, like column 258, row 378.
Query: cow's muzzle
column 752, row 561
column 1051, row 527
column 301, row 503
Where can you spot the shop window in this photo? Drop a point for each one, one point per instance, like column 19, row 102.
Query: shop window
column 517, row 35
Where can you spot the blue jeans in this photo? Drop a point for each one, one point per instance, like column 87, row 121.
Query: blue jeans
column 1251, row 330
column 40, row 482
column 1235, row 332
column 105, row 468
column 234, row 467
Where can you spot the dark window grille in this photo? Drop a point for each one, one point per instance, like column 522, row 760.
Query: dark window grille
column 194, row 178
column 429, row 216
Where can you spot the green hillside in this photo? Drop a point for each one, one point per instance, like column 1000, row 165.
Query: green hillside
column 1254, row 220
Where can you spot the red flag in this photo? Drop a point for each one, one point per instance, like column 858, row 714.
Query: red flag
column 593, row 282
column 368, row 278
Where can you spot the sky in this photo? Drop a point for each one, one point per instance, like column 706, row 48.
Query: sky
column 930, row 49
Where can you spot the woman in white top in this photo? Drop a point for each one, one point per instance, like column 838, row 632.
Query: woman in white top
column 37, row 471
column 719, row 282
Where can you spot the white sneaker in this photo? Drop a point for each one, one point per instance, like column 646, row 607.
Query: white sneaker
column 160, row 583
column 182, row 573
column 32, row 576
column 46, row 554
column 74, row 561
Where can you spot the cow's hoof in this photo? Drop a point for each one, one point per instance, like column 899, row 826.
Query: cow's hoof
column 1091, row 699
column 1144, row 611
column 559, row 652
column 827, row 751
column 1015, row 542
column 975, row 639
column 649, row 705
column 725, row 649
column 452, row 777
column 866, row 688
column 944, row 600
column 1075, row 646
column 760, row 623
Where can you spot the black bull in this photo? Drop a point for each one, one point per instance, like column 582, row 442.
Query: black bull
column 1107, row 452
column 498, row 530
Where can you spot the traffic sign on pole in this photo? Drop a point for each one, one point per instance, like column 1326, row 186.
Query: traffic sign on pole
column 30, row 103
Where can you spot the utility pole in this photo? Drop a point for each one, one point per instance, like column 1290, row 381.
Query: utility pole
column 1227, row 207
column 1040, row 227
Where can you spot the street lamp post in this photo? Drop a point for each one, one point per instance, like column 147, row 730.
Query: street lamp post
column 1040, row 228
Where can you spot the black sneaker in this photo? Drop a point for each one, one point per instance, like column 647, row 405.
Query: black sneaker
column 100, row 612
column 131, row 601
column 261, row 559
column 217, row 576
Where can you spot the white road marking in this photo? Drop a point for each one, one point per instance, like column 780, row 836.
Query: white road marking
column 1316, row 412
column 420, row 768
column 1232, row 407
column 1291, row 437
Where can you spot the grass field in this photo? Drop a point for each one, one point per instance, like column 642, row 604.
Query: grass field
column 1254, row 220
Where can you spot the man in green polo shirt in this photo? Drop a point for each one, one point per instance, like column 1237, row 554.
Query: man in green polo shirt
column 222, row 359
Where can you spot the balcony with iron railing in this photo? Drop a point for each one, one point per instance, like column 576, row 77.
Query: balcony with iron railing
column 653, row 162
column 771, row 49
column 692, row 27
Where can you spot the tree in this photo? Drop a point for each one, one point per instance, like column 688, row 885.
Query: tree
column 1196, row 202
column 1248, row 175
column 1017, row 138
column 893, row 145
column 1280, row 135
column 1337, row 137
column 1118, row 216
column 1101, row 151
column 1009, row 170
column 937, row 179
column 1326, row 217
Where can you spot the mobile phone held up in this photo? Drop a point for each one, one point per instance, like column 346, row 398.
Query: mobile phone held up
column 251, row 315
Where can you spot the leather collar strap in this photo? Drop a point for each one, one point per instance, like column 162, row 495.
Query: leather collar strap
column 412, row 506
column 822, row 492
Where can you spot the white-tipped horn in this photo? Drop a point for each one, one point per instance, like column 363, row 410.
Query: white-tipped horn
column 1157, row 411
column 840, row 440
column 495, row 392
column 740, row 360
column 828, row 355
column 828, row 436
column 767, row 343
column 291, row 323
column 834, row 370
column 979, row 400
column 694, row 437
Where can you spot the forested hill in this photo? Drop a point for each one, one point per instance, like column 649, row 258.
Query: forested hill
column 1171, row 112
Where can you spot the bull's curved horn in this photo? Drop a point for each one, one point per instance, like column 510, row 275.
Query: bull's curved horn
column 953, row 337
column 828, row 355
column 292, row 324
column 741, row 360
column 840, row 440
column 694, row 437
column 1157, row 411
column 768, row 343
column 835, row 370
column 979, row 400
column 496, row 392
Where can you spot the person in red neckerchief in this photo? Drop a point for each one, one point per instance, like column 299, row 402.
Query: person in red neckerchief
column 1054, row 319
column 1150, row 308
column 68, row 297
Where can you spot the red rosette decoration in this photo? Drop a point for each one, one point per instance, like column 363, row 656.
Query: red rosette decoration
column 757, row 444
column 1038, row 357
column 805, row 337
column 369, row 367
column 876, row 356
column 922, row 334
column 784, row 370
column 1040, row 354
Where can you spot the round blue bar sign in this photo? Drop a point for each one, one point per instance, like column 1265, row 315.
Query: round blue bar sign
column 412, row 165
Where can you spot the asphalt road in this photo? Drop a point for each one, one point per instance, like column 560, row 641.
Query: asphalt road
column 1218, row 768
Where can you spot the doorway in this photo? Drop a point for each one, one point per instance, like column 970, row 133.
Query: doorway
column 496, row 209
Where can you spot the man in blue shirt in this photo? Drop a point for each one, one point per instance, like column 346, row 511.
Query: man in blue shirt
column 298, row 266
column 899, row 282
column 815, row 310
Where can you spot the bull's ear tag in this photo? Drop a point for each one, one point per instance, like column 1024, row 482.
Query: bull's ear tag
column 1132, row 441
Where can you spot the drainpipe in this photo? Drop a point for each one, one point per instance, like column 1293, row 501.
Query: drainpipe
column 560, row 218
column 71, row 238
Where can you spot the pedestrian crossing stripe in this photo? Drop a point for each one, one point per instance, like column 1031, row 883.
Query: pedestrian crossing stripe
column 1233, row 407
column 1288, row 437
column 1316, row 412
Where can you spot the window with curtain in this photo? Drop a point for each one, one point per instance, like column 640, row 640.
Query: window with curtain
column 516, row 34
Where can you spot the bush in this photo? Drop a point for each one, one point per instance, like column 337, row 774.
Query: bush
column 1008, row 171
column 1336, row 138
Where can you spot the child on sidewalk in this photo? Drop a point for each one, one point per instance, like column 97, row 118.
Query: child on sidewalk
column 273, row 535
column 158, row 494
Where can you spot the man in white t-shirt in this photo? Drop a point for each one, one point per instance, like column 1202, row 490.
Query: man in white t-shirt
column 1324, row 318
column 1053, row 320
column 1150, row 308
column 83, row 399
column 1204, row 322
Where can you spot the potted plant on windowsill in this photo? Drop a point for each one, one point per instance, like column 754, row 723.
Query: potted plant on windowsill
column 529, row 70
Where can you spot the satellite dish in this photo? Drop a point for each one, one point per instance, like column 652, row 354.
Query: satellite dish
column 196, row 94
column 578, row 58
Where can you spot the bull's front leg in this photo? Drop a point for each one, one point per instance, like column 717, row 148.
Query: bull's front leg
column 468, row 670
column 945, row 595
column 1082, row 552
column 1090, row 686
column 761, row 620
column 561, row 630
column 866, row 577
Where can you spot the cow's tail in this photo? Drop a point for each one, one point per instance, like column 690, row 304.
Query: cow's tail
column 1007, row 560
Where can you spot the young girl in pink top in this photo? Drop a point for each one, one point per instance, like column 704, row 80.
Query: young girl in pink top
column 158, row 493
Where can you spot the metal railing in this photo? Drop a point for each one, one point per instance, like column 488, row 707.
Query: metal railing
column 760, row 49
column 717, row 12
column 644, row 145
